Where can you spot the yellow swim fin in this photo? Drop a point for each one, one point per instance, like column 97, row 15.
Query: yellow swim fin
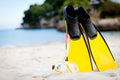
column 98, row 47
column 101, row 53
column 78, row 53
column 76, row 45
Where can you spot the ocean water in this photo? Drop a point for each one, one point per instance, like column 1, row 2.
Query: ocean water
column 30, row 37
column 37, row 36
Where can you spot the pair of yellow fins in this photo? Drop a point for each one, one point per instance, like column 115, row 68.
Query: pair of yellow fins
column 85, row 42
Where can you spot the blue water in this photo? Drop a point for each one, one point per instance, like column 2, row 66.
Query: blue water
column 38, row 36
column 30, row 37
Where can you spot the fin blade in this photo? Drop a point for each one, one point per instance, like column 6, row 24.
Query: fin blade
column 102, row 54
column 78, row 53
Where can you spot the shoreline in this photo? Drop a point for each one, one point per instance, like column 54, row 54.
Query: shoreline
column 28, row 45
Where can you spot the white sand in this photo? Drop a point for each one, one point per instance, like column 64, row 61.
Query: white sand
column 34, row 63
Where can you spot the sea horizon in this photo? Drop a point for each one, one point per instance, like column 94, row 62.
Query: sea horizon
column 19, row 37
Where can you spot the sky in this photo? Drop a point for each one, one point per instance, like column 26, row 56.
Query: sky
column 12, row 12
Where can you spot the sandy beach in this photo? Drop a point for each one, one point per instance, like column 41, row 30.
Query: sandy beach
column 34, row 62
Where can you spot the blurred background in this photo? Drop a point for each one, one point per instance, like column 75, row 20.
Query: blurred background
column 28, row 22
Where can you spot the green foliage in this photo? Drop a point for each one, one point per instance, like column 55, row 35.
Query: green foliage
column 49, row 9
column 32, row 15
column 110, row 9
